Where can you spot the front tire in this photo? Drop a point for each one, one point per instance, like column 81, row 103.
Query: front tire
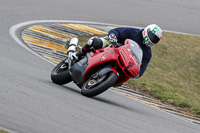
column 60, row 74
column 90, row 88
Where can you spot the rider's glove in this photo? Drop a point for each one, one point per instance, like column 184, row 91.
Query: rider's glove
column 72, row 56
column 112, row 38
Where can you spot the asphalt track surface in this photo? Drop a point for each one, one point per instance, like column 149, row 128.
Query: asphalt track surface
column 30, row 102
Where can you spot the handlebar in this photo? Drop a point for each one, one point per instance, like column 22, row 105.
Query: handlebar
column 117, row 44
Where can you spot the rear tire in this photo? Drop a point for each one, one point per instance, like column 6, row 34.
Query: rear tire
column 90, row 90
column 60, row 74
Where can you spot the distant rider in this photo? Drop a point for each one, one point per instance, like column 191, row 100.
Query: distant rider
column 146, row 38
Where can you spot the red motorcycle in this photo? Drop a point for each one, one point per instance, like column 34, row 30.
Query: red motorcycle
column 100, row 69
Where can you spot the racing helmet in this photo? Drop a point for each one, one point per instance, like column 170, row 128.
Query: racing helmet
column 151, row 35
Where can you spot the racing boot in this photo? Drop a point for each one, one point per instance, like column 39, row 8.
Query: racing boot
column 92, row 44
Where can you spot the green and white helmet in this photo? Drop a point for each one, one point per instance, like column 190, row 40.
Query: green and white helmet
column 152, row 35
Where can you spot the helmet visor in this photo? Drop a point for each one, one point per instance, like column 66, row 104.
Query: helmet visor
column 153, row 37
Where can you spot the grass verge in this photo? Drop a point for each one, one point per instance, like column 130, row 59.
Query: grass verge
column 2, row 131
column 173, row 73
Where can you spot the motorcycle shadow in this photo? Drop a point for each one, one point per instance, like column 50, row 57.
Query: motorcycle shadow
column 100, row 98
column 70, row 86
column 116, row 104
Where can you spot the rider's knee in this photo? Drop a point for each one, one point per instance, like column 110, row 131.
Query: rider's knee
column 97, row 43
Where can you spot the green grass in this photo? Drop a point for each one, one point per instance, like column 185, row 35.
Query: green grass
column 2, row 131
column 173, row 75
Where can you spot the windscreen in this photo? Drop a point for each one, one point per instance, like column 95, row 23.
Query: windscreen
column 136, row 51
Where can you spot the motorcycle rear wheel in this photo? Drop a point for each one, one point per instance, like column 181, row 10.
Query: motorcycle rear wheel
column 60, row 74
column 93, row 87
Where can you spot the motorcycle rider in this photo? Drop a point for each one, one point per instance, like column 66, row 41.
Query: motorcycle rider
column 147, row 37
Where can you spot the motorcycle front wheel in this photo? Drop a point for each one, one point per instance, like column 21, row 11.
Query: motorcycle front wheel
column 93, row 86
column 60, row 74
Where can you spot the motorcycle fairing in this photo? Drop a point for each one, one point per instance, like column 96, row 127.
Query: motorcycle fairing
column 125, row 63
column 78, row 69
column 130, row 66
column 101, row 57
